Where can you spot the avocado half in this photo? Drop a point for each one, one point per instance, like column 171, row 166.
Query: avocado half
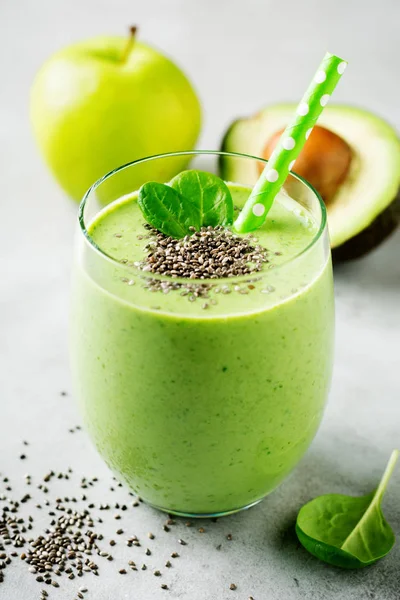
column 365, row 209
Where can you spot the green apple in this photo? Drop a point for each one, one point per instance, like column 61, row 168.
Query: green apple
column 101, row 103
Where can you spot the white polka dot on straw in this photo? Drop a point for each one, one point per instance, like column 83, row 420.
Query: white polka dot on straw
column 271, row 175
column 288, row 143
column 324, row 99
column 298, row 128
column 320, row 77
column 258, row 210
column 303, row 109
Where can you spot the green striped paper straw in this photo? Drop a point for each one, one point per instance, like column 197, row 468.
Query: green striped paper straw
column 290, row 144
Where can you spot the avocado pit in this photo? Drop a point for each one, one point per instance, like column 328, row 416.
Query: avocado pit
column 324, row 161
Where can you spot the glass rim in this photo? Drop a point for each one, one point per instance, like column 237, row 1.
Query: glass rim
column 219, row 153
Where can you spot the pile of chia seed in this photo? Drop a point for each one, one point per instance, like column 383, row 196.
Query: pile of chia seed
column 211, row 253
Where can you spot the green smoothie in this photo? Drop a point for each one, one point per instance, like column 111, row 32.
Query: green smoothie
column 203, row 406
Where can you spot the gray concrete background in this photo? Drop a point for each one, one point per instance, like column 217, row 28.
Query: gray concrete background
column 241, row 55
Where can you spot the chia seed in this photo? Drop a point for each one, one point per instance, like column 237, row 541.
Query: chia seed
column 65, row 547
column 211, row 253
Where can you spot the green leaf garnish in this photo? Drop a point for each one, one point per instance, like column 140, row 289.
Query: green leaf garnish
column 191, row 199
column 345, row 531
column 166, row 210
column 209, row 195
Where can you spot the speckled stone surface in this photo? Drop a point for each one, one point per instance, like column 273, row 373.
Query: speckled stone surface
column 241, row 55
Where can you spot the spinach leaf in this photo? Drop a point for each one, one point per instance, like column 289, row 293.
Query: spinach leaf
column 345, row 531
column 167, row 210
column 209, row 195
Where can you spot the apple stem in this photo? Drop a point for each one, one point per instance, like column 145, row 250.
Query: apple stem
column 129, row 44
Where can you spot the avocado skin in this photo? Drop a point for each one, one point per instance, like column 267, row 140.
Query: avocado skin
column 365, row 241
column 371, row 237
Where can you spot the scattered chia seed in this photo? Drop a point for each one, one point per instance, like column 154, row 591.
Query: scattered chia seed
column 229, row 537
column 233, row 586
column 66, row 547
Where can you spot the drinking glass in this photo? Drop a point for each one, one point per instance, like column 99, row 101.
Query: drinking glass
column 201, row 412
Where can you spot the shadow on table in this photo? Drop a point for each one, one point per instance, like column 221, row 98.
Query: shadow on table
column 315, row 474
column 262, row 541
column 377, row 270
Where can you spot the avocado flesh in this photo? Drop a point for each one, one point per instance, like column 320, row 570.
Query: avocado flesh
column 371, row 188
